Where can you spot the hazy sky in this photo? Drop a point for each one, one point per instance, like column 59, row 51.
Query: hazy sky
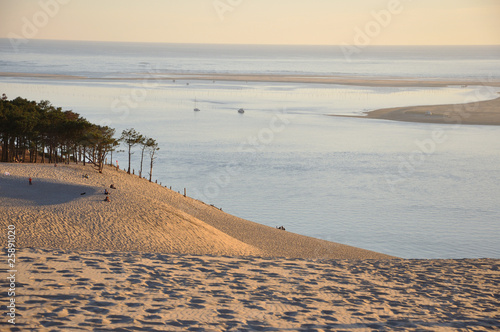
column 413, row 22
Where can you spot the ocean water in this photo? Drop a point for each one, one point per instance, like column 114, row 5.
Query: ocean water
column 407, row 189
column 101, row 59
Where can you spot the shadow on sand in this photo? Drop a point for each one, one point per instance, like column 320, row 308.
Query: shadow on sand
column 16, row 191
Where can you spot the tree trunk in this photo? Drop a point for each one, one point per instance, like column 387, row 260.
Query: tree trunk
column 142, row 158
column 129, row 155
column 5, row 148
column 10, row 157
column 151, row 170
column 43, row 153
column 35, row 151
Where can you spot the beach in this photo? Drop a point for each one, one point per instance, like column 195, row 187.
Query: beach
column 151, row 259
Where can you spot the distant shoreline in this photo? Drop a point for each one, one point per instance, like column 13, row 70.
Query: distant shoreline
column 474, row 113
column 275, row 78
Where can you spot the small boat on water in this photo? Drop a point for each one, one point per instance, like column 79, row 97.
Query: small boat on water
column 196, row 109
column 241, row 111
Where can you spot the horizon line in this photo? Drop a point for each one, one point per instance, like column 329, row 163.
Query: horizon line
column 246, row 44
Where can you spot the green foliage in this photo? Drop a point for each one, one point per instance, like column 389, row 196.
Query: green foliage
column 45, row 130
column 60, row 136
column 131, row 138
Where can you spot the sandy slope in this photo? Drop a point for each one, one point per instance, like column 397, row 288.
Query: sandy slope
column 142, row 216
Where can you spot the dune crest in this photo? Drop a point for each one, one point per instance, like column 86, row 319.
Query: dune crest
column 135, row 219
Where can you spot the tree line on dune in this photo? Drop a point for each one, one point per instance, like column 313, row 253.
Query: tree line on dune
column 39, row 132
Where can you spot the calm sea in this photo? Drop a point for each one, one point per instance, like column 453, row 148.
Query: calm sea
column 386, row 186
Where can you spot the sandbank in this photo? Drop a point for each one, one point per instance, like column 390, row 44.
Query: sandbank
column 275, row 78
column 474, row 113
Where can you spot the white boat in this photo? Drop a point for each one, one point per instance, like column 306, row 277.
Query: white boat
column 241, row 111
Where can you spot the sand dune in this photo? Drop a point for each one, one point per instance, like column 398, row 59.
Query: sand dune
column 142, row 216
column 136, row 219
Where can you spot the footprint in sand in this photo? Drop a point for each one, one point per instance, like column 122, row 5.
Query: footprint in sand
column 67, row 273
column 226, row 313
column 119, row 298
column 37, row 302
column 52, row 323
column 120, row 319
column 115, row 270
column 98, row 286
column 160, row 299
column 251, row 305
column 134, row 304
column 25, row 259
column 182, row 323
column 255, row 325
column 196, row 303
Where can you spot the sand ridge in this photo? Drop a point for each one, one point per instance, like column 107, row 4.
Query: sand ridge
column 141, row 216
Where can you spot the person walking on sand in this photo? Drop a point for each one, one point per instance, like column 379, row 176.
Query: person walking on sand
column 30, row 181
